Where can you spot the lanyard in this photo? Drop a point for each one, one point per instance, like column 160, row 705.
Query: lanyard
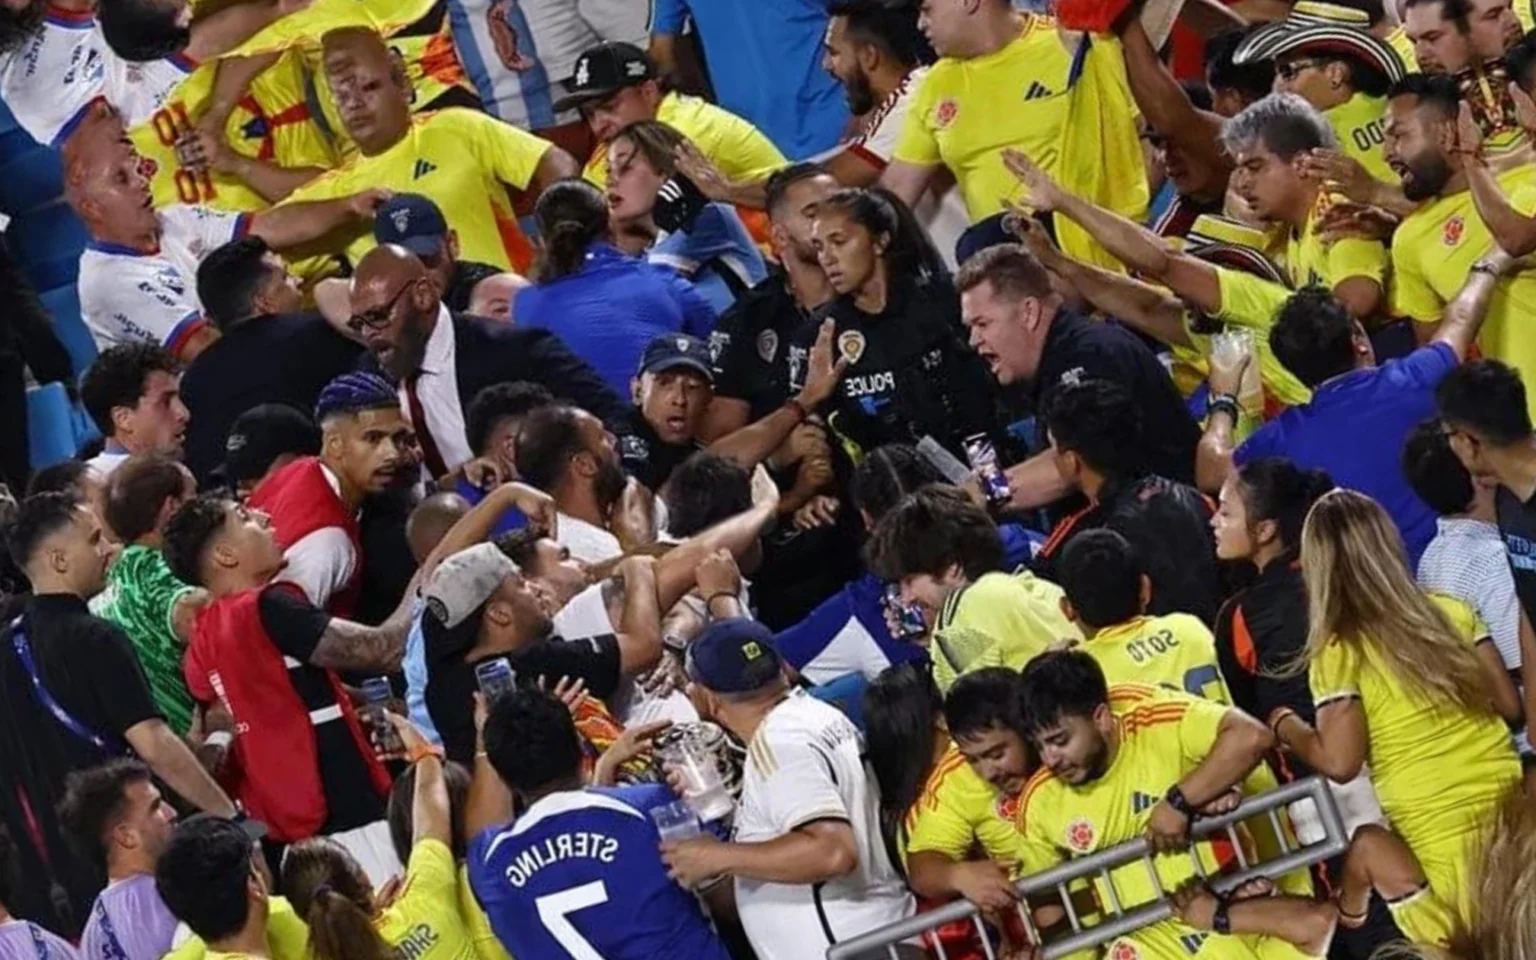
column 24, row 654
column 114, row 947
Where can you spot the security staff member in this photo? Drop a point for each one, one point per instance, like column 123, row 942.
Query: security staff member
column 671, row 392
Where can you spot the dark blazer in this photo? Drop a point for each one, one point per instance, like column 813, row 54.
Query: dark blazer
column 276, row 359
column 488, row 352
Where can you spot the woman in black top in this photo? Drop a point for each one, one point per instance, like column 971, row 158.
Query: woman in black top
column 910, row 372
column 1263, row 629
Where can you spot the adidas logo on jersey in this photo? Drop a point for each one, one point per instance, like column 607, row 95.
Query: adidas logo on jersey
column 423, row 167
column 1142, row 802
column 1037, row 91
column 1193, row 942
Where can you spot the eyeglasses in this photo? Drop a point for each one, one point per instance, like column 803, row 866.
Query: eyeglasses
column 378, row 317
column 1293, row 69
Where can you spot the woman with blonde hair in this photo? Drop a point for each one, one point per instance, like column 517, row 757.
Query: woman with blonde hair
column 1410, row 682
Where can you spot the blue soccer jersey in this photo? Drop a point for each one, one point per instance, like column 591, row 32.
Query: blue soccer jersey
column 579, row 877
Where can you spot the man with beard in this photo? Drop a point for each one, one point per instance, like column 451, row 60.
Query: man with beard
column 1130, row 761
column 467, row 162
column 443, row 360
column 301, row 761
column 138, row 272
column 366, row 447
column 571, row 456
column 1445, row 237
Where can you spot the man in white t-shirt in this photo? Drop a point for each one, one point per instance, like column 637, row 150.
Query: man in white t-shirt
column 570, row 455
column 133, row 394
column 138, row 273
column 807, row 857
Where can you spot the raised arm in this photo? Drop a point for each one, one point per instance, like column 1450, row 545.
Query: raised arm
column 1465, row 314
column 907, row 180
column 753, row 444
column 1512, row 230
column 173, row 761
column 293, row 224
column 220, row 32
column 1165, row 105
column 431, row 811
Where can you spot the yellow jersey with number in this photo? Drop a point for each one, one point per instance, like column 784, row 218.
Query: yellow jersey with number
column 1177, row 652
column 465, row 161
column 1162, row 736
column 273, row 122
column 1309, row 260
column 1432, row 252
column 1438, row 769
column 417, row 32
column 740, row 150
column 1358, row 123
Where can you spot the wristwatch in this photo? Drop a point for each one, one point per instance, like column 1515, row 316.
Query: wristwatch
column 1179, row 802
column 1221, row 920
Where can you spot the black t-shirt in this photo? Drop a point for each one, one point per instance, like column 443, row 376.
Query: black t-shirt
column 1259, row 633
column 909, row 373
column 451, row 681
column 295, row 627
column 467, row 274
column 1517, row 524
column 1078, row 349
column 388, row 565
column 756, row 347
column 645, row 456
column 89, row 668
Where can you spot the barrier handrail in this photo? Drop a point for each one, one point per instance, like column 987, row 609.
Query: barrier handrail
column 1335, row 841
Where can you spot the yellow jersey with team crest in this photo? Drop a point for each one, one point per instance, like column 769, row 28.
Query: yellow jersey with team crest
column 273, row 122
column 1162, row 736
column 1311, row 260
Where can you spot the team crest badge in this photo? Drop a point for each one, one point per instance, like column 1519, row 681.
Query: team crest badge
column 850, row 346
column 1081, row 835
column 1123, row 950
column 945, row 113
column 682, row 344
column 401, row 220
column 1454, row 228
column 147, row 167
column 632, row 447
column 1008, row 806
column 768, row 345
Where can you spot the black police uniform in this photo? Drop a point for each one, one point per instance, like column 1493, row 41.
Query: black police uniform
column 756, row 344
column 647, row 457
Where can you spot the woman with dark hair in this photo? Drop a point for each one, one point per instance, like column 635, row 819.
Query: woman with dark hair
column 348, row 920
column 910, row 373
column 658, row 212
column 604, row 304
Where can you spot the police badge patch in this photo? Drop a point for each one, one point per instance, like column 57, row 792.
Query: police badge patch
column 768, row 345
column 850, row 346
column 632, row 447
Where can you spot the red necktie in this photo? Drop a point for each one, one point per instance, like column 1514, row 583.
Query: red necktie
column 419, row 417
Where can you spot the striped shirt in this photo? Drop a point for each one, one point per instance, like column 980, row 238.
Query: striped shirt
column 1467, row 560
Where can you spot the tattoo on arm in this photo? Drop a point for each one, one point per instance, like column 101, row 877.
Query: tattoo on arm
column 353, row 646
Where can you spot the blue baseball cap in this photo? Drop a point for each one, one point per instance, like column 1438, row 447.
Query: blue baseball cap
column 412, row 221
column 672, row 350
column 734, row 656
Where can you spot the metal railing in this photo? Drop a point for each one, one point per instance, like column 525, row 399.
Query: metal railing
column 1119, row 922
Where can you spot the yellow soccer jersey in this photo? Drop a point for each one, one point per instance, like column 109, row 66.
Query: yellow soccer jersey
column 465, row 161
column 1358, row 122
column 1176, row 651
column 1001, row 620
column 272, row 122
column 740, row 150
column 1399, row 41
column 1163, row 736
column 1438, row 770
column 418, row 32
column 424, row 921
column 1252, row 302
column 957, row 810
column 1432, row 252
column 966, row 111
column 1309, row 260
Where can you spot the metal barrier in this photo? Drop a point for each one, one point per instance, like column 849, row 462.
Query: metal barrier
column 1120, row 922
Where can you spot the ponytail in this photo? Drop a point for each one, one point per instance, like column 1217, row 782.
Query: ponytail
column 909, row 252
column 571, row 216
column 1275, row 489
column 328, row 889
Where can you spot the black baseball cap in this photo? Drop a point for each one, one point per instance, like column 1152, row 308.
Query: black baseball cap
column 605, row 70
column 412, row 221
column 734, row 656
column 262, row 434
column 673, row 350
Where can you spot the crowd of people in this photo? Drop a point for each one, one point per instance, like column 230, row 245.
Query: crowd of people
column 727, row 477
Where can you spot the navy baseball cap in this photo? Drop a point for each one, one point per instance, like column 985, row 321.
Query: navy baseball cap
column 605, row 70
column 412, row 221
column 734, row 656
column 673, row 350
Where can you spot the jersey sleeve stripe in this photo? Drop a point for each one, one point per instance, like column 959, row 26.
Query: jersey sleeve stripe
column 867, row 155
column 183, row 331
column 1336, row 697
column 73, row 123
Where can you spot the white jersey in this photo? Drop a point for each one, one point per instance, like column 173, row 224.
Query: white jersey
column 50, row 80
column 804, row 764
column 945, row 218
column 129, row 295
column 519, row 53
column 587, row 543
